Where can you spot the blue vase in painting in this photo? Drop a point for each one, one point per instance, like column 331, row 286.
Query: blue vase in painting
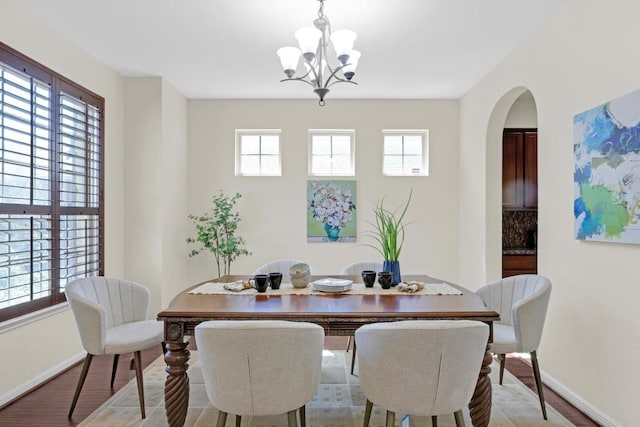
column 393, row 267
column 333, row 233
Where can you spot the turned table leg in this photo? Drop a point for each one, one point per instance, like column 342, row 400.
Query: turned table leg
column 176, row 387
column 480, row 405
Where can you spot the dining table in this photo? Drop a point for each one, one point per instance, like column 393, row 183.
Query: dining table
column 339, row 313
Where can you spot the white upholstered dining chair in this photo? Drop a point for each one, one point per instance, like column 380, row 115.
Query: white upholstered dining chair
column 111, row 315
column 280, row 266
column 522, row 302
column 260, row 367
column 420, row 367
column 356, row 269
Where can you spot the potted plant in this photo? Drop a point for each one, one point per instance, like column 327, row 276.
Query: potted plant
column 389, row 233
column 216, row 232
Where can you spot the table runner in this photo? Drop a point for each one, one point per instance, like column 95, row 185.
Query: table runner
column 217, row 288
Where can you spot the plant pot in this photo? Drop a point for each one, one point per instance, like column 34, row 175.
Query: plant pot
column 393, row 267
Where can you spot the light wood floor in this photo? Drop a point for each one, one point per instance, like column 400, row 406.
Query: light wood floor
column 48, row 405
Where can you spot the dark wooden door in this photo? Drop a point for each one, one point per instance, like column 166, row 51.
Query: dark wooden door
column 530, row 169
column 520, row 169
column 512, row 184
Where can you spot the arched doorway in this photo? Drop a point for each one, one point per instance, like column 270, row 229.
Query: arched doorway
column 515, row 110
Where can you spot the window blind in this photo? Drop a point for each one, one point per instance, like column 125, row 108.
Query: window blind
column 51, row 184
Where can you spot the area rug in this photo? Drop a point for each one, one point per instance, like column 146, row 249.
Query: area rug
column 338, row 402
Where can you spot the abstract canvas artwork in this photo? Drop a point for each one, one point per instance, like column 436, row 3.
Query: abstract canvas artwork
column 331, row 211
column 607, row 171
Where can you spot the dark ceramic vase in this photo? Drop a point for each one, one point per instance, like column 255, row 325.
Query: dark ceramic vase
column 393, row 267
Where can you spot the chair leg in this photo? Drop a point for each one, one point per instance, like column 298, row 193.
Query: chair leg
column 238, row 420
column 138, row 366
column 83, row 376
column 353, row 357
column 459, row 418
column 222, row 419
column 391, row 418
column 502, row 358
column 291, row 417
column 348, row 344
column 116, row 357
column 303, row 416
column 164, row 347
column 367, row 413
column 536, row 375
column 434, row 421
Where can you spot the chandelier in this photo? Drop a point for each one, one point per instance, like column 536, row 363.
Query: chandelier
column 313, row 42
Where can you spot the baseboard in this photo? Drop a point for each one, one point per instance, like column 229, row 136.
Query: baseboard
column 584, row 406
column 40, row 379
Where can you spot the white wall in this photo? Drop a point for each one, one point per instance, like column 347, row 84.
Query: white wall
column 522, row 113
column 56, row 336
column 273, row 208
column 580, row 59
column 155, row 173
column 174, row 188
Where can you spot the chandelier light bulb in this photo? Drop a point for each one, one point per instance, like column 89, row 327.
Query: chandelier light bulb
column 343, row 44
column 308, row 38
column 350, row 69
column 289, row 58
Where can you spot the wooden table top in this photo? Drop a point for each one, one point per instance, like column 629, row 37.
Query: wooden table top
column 337, row 306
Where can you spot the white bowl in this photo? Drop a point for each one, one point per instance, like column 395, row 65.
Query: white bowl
column 300, row 281
column 299, row 269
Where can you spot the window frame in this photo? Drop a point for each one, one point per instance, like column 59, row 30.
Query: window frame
column 331, row 133
column 60, row 86
column 424, row 133
column 239, row 133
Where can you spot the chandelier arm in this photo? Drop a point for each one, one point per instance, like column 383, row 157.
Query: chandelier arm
column 334, row 75
column 300, row 79
column 308, row 72
column 312, row 69
column 341, row 81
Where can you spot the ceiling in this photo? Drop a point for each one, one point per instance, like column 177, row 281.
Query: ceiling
column 227, row 48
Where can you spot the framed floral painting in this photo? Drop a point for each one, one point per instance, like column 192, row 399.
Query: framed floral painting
column 331, row 211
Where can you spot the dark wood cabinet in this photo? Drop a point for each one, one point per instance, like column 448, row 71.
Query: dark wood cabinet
column 519, row 264
column 520, row 169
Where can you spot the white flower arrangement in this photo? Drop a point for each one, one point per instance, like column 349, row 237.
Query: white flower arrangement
column 331, row 204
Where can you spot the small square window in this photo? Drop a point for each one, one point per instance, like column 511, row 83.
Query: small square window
column 258, row 152
column 405, row 153
column 331, row 153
